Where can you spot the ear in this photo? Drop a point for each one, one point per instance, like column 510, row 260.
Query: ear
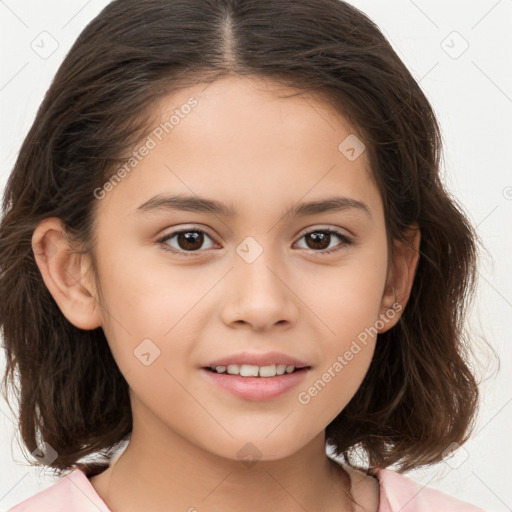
column 63, row 273
column 401, row 274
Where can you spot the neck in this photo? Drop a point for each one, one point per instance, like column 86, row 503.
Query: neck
column 161, row 473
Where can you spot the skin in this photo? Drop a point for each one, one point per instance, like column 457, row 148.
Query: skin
column 243, row 145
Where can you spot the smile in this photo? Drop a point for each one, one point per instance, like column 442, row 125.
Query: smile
column 249, row 370
column 256, row 388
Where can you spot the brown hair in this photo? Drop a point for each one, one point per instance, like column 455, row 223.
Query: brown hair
column 419, row 394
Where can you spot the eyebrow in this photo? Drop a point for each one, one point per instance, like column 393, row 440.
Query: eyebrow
column 204, row 205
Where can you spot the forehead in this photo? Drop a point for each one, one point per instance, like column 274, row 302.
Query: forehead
column 249, row 142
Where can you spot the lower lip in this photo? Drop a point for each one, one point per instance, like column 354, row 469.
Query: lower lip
column 257, row 388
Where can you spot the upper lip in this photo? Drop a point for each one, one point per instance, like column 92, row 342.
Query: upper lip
column 257, row 359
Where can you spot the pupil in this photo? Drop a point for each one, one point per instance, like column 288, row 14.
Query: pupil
column 187, row 239
column 321, row 238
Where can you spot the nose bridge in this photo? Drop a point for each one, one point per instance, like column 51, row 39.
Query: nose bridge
column 257, row 292
column 257, row 264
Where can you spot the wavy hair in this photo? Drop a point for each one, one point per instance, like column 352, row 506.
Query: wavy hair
column 419, row 394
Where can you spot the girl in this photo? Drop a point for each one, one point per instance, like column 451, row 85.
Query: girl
column 225, row 246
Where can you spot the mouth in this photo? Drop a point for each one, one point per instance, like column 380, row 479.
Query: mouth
column 255, row 383
column 248, row 370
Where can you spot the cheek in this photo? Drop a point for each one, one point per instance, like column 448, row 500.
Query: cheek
column 347, row 301
column 143, row 302
column 332, row 387
column 346, row 353
column 146, row 292
column 347, row 297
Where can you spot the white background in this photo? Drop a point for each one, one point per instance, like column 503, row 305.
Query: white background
column 472, row 95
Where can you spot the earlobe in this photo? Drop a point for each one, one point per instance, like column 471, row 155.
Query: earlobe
column 62, row 272
column 401, row 276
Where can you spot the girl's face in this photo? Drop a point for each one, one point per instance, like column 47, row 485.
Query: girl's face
column 268, row 277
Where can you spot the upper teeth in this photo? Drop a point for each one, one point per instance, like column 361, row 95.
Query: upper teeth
column 249, row 370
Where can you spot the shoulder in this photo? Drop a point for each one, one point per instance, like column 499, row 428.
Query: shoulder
column 72, row 492
column 400, row 493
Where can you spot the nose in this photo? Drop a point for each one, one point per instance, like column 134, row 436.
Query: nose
column 259, row 294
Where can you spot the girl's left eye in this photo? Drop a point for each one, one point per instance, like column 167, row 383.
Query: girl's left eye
column 190, row 240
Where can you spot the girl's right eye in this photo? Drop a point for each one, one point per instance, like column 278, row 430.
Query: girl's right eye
column 189, row 241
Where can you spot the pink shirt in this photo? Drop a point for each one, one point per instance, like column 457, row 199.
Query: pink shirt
column 398, row 493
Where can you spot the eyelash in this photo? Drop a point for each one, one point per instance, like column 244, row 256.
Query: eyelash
column 344, row 238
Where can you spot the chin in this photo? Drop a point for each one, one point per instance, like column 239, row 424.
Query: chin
column 249, row 451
